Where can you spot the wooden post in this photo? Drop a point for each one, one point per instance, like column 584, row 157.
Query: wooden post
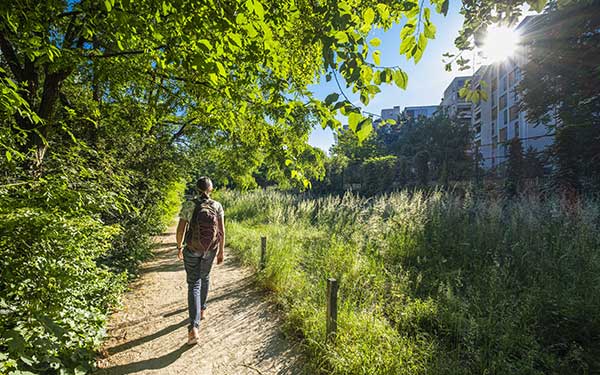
column 263, row 252
column 332, row 289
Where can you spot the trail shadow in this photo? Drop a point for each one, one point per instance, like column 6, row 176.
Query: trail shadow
column 145, row 339
column 165, row 267
column 166, row 234
column 163, row 245
column 175, row 312
column 148, row 364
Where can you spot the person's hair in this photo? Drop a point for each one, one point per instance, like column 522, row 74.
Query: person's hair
column 204, row 183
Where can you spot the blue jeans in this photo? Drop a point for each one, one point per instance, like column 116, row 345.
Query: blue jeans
column 197, row 269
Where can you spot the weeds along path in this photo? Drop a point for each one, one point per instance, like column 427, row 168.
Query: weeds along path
column 240, row 334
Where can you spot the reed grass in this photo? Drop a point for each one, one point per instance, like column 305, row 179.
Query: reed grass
column 431, row 283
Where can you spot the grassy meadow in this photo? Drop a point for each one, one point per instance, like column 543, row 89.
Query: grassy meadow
column 430, row 283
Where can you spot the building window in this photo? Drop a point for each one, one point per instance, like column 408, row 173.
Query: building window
column 503, row 84
column 502, row 134
column 494, row 84
column 517, row 129
column 493, row 128
column 513, row 77
column 505, row 117
column 494, row 113
column 501, row 69
column 514, row 112
column 502, row 103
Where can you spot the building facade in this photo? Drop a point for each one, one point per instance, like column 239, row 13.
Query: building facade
column 498, row 120
column 419, row 111
column 391, row 113
column 452, row 104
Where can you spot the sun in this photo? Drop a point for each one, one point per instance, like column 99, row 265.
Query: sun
column 500, row 43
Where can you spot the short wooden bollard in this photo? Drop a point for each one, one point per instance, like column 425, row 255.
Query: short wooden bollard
column 263, row 252
column 332, row 289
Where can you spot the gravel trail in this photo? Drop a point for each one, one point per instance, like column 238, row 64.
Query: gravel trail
column 240, row 335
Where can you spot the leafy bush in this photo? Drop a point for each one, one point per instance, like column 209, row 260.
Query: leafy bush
column 68, row 244
column 436, row 283
column 54, row 295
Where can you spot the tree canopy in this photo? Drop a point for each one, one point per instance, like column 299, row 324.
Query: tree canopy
column 211, row 66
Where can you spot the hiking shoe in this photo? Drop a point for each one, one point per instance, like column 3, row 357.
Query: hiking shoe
column 193, row 336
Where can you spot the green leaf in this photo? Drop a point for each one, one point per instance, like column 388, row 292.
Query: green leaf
column 384, row 11
column 420, row 48
column 407, row 30
column 427, row 14
column 364, row 97
column 369, row 16
column 353, row 120
column 8, row 155
column 108, row 4
column 341, row 37
column 484, row 95
column 400, row 79
column 377, row 57
column 236, row 39
column 221, row 69
column 366, row 127
column 377, row 77
column 445, row 7
column 429, row 30
column 259, row 10
column 332, row 98
column 537, row 5
column 375, row 42
column 407, row 44
column 366, row 74
column 205, row 43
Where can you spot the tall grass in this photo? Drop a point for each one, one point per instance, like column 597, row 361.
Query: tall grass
column 431, row 283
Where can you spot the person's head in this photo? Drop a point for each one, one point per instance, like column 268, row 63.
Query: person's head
column 204, row 185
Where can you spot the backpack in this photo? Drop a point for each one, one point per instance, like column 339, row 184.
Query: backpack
column 203, row 229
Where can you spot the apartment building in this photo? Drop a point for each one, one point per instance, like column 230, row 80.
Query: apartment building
column 498, row 120
column 419, row 111
column 453, row 104
column 391, row 113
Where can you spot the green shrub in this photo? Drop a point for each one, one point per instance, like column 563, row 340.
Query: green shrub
column 54, row 295
column 69, row 241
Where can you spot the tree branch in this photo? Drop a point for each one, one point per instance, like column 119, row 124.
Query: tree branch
column 122, row 53
column 179, row 132
column 11, row 57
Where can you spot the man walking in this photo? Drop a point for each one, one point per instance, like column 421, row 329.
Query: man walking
column 200, row 238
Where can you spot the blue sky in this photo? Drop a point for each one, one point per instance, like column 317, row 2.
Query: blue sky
column 426, row 80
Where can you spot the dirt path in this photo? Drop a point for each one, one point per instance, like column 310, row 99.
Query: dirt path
column 240, row 334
